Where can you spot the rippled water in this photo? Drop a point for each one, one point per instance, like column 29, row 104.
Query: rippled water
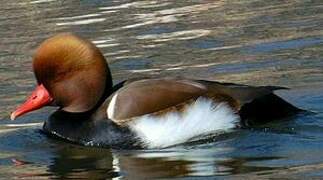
column 256, row 42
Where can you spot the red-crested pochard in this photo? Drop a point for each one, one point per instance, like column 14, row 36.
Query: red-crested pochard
column 152, row 113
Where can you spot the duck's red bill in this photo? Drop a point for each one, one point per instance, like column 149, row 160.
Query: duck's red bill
column 38, row 99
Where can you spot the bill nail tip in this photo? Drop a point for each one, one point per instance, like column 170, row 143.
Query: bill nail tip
column 12, row 117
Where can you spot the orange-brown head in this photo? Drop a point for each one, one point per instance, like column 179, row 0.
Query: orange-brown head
column 71, row 72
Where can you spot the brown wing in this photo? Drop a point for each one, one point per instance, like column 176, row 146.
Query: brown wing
column 151, row 95
column 147, row 96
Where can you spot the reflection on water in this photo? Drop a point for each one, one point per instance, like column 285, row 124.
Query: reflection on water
column 250, row 41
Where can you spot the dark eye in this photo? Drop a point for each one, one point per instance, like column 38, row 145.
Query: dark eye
column 34, row 97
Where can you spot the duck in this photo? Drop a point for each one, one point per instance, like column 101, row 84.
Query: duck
column 73, row 75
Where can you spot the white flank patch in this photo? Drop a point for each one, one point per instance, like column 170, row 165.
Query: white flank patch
column 203, row 117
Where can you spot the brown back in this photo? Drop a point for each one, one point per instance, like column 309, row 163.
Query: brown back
column 153, row 95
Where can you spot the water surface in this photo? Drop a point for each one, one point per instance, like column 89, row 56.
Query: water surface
column 254, row 42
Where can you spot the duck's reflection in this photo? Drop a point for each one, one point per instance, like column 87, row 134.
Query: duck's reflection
column 141, row 168
column 73, row 161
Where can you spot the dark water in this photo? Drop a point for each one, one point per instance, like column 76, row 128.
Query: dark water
column 256, row 42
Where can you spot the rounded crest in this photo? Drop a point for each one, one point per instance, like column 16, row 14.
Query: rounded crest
column 73, row 70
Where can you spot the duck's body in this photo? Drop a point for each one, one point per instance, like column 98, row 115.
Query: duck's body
column 203, row 108
column 149, row 113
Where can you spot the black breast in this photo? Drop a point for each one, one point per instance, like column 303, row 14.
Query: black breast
column 80, row 128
